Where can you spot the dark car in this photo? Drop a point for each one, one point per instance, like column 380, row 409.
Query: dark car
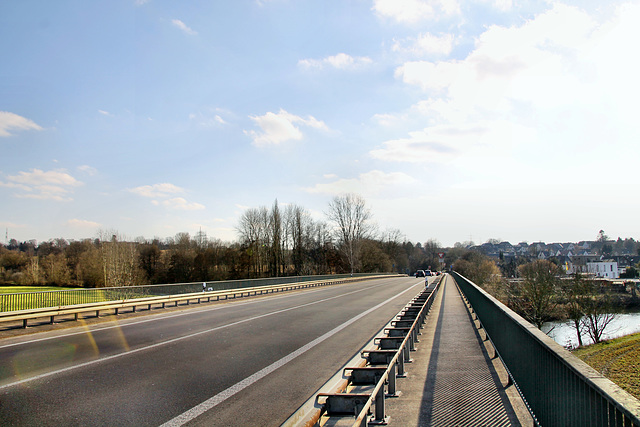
column 420, row 273
column 428, row 273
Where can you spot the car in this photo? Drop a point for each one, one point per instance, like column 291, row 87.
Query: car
column 428, row 273
column 420, row 273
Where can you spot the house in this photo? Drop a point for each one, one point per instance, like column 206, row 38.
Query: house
column 607, row 269
column 579, row 262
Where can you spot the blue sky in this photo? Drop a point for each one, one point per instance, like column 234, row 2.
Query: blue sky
column 455, row 120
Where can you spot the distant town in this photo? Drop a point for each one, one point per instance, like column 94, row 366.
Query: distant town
column 611, row 259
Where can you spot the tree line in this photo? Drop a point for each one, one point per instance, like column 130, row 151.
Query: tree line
column 272, row 241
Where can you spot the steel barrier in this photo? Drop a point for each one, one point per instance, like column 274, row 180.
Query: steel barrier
column 44, row 299
column 353, row 392
column 52, row 312
column 558, row 388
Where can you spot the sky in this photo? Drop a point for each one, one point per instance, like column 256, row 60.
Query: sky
column 455, row 120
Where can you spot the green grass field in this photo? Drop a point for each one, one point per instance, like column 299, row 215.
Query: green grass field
column 617, row 359
column 17, row 289
column 54, row 299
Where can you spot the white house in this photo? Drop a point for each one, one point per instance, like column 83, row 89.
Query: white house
column 608, row 269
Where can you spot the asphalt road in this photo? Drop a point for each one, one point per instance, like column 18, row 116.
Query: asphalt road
column 243, row 363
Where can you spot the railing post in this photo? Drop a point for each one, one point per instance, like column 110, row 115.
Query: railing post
column 379, row 413
column 392, row 381
column 401, row 372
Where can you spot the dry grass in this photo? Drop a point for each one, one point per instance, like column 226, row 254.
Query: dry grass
column 617, row 359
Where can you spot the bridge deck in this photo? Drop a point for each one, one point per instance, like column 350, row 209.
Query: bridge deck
column 453, row 381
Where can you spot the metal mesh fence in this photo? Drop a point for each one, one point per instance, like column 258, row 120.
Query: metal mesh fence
column 558, row 387
column 45, row 299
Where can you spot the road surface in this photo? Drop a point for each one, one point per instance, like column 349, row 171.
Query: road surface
column 245, row 362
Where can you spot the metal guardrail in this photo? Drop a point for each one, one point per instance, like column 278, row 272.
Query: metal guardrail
column 558, row 388
column 42, row 299
column 359, row 388
column 52, row 312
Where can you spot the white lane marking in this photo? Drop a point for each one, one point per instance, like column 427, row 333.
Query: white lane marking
column 160, row 317
column 208, row 404
column 152, row 346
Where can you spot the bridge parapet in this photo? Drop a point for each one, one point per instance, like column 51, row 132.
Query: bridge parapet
column 559, row 388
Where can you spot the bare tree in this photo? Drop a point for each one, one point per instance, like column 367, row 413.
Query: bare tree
column 274, row 231
column 119, row 260
column 253, row 234
column 576, row 292
column 590, row 311
column 352, row 220
column 536, row 297
column 297, row 231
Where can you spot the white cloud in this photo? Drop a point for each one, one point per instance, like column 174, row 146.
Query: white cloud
column 182, row 26
column 207, row 120
column 281, row 127
column 561, row 82
column 180, row 203
column 82, row 223
column 91, row 171
column 484, row 142
column 425, row 44
column 368, row 184
column 157, row 190
column 413, row 11
column 341, row 61
column 164, row 193
column 10, row 122
column 6, row 224
column 37, row 184
column 500, row 5
column 105, row 113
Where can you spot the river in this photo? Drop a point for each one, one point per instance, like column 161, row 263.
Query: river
column 565, row 334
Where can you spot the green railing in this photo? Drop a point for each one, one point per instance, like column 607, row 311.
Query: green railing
column 44, row 299
column 559, row 389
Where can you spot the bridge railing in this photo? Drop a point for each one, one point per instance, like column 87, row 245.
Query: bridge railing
column 559, row 388
column 46, row 299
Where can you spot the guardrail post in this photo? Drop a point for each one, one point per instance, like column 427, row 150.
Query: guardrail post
column 407, row 355
column 379, row 412
column 392, row 381
column 401, row 372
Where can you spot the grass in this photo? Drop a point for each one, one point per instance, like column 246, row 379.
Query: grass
column 54, row 299
column 18, row 289
column 617, row 359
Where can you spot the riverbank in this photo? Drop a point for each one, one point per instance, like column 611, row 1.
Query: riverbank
column 617, row 359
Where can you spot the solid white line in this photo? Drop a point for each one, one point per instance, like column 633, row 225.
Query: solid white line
column 156, row 317
column 152, row 346
column 236, row 388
